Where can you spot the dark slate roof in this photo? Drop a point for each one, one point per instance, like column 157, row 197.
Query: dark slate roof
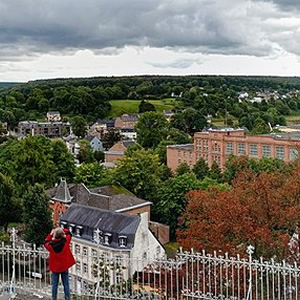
column 91, row 218
column 128, row 143
column 122, row 201
column 90, row 138
column 101, row 197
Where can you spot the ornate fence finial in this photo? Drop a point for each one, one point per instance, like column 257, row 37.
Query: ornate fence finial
column 250, row 249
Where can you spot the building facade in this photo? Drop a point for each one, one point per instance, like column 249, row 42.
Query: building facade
column 48, row 129
column 218, row 144
column 99, row 234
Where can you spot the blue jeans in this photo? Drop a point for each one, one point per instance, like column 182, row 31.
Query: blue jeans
column 65, row 281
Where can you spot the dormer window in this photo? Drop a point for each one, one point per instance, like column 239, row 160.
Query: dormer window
column 78, row 230
column 63, row 224
column 122, row 241
column 107, row 238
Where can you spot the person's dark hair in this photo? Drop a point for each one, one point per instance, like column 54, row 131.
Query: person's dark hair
column 59, row 233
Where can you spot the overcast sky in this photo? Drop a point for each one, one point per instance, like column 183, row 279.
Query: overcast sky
column 74, row 38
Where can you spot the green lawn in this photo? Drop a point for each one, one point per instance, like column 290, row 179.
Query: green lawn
column 292, row 119
column 119, row 107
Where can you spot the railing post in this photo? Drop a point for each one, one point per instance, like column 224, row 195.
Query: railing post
column 250, row 251
column 13, row 279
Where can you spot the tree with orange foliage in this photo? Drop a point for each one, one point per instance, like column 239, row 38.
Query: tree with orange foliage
column 261, row 209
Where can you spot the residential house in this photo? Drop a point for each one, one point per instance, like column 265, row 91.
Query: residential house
column 126, row 121
column 73, row 144
column 101, row 127
column 95, row 143
column 105, row 197
column 117, row 151
column 128, row 133
column 99, row 234
column 53, row 116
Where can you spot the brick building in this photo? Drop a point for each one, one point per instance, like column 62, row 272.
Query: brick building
column 126, row 121
column 117, row 151
column 218, row 144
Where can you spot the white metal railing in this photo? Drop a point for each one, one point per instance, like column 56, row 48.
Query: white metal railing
column 188, row 276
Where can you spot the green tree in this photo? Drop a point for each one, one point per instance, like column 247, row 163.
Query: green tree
column 182, row 169
column 260, row 127
column 189, row 121
column 201, row 169
column 63, row 160
column 79, row 126
column 6, row 201
column 170, row 201
column 215, row 172
column 151, row 129
column 86, row 154
column 33, row 162
column 140, row 172
column 111, row 137
column 36, row 214
column 146, row 106
column 92, row 175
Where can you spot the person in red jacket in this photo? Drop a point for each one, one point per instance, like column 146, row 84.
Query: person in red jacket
column 60, row 260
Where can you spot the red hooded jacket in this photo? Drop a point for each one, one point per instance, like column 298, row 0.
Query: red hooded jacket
column 61, row 258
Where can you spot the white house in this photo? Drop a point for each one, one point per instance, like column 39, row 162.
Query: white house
column 99, row 234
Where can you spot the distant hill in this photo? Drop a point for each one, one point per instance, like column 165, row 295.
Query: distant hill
column 4, row 85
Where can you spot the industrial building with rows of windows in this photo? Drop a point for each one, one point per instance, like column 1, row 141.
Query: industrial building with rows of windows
column 218, row 144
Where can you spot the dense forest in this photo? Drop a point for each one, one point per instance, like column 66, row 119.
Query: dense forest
column 216, row 96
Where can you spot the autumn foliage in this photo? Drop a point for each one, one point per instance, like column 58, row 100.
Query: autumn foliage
column 261, row 209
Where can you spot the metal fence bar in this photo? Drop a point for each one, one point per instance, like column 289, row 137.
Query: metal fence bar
column 189, row 276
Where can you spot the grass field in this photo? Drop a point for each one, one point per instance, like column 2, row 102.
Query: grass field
column 293, row 119
column 119, row 107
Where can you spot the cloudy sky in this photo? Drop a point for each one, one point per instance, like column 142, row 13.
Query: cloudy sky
column 74, row 38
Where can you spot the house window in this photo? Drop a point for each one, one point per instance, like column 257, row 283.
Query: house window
column 229, row 148
column 216, row 148
column 85, row 251
column 119, row 278
column 122, row 241
column 279, row 152
column 77, row 249
column 85, row 268
column 293, row 154
column 205, row 146
column 94, row 253
column 118, row 259
column 107, row 238
column 253, row 150
column 179, row 153
column 266, row 151
column 145, row 255
column 198, row 145
column 78, row 266
column 241, row 149
column 78, row 230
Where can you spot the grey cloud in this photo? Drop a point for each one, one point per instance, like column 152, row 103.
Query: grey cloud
column 217, row 26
